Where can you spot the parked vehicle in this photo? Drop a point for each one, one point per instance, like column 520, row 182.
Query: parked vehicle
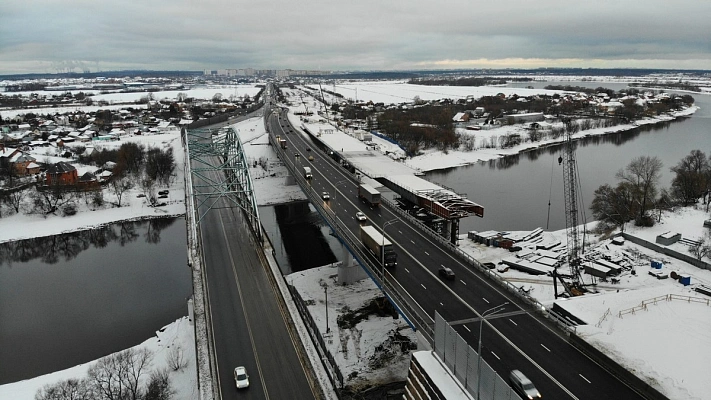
column 369, row 195
column 381, row 247
column 523, row 386
column 307, row 173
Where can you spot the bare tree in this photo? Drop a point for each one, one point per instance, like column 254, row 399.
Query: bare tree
column 176, row 358
column 689, row 183
column 48, row 199
column 116, row 377
column 615, row 206
column 160, row 165
column 70, row 389
column 159, row 386
column 119, row 186
column 702, row 248
column 643, row 174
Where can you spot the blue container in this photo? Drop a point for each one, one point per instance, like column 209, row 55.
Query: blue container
column 685, row 280
column 656, row 264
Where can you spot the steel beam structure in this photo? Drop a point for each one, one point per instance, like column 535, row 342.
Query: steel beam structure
column 220, row 150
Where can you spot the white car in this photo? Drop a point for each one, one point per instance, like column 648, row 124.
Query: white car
column 325, row 196
column 361, row 217
column 241, row 378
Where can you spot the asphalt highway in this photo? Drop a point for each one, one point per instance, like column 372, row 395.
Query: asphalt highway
column 250, row 327
column 514, row 338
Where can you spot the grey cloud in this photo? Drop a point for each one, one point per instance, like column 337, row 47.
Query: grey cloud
column 340, row 34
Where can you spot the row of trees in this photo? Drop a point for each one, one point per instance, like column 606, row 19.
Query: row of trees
column 119, row 377
column 638, row 193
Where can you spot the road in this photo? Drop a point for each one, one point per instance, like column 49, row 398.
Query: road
column 250, row 328
column 517, row 340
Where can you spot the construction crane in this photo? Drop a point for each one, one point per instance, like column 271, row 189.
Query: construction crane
column 323, row 100
column 570, row 183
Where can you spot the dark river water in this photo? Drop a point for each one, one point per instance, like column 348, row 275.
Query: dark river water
column 515, row 191
column 72, row 298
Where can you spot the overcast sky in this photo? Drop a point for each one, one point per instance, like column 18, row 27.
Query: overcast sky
column 101, row 35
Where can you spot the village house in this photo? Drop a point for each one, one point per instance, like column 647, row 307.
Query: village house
column 62, row 173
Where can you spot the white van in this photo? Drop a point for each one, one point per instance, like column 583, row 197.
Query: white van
column 523, row 386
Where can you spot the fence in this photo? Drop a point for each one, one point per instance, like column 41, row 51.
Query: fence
column 655, row 300
column 334, row 373
column 665, row 250
column 464, row 362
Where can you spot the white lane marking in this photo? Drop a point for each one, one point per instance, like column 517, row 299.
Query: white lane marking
column 464, row 283
column 487, row 301
column 427, row 253
column 407, row 270
column 497, row 357
column 413, row 242
column 467, row 328
column 440, row 303
column 513, row 322
column 586, row 379
column 549, row 350
column 400, row 231
column 442, row 265
column 423, row 286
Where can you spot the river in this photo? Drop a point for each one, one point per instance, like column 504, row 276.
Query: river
column 72, row 298
column 515, row 190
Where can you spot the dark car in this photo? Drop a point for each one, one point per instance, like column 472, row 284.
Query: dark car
column 446, row 273
column 308, row 149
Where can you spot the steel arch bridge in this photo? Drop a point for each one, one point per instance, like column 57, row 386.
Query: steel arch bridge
column 219, row 170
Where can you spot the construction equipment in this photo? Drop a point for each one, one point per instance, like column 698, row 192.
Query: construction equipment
column 570, row 182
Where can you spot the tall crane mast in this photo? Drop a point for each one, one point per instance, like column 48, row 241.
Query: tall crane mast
column 570, row 183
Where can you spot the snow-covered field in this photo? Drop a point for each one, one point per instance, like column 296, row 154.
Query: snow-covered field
column 118, row 100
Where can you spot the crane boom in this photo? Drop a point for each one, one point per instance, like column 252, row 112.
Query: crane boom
column 570, row 183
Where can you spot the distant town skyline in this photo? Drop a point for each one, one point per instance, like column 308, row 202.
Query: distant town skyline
column 53, row 36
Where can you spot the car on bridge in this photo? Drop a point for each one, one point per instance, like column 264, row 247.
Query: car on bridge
column 241, row 378
column 523, row 386
column 325, row 196
column 446, row 273
column 361, row 217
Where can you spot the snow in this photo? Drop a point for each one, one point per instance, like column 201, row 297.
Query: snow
column 25, row 226
column 658, row 357
column 649, row 342
column 399, row 91
column 354, row 349
column 184, row 381
column 204, row 93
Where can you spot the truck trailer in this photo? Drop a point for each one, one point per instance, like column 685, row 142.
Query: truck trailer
column 307, row 173
column 369, row 195
column 379, row 245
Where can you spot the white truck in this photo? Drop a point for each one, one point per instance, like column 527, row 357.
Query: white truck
column 379, row 245
column 369, row 195
column 307, row 173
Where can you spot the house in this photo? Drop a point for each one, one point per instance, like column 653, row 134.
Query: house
column 461, row 117
column 62, row 173
column 20, row 162
column 6, row 154
column 88, row 181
